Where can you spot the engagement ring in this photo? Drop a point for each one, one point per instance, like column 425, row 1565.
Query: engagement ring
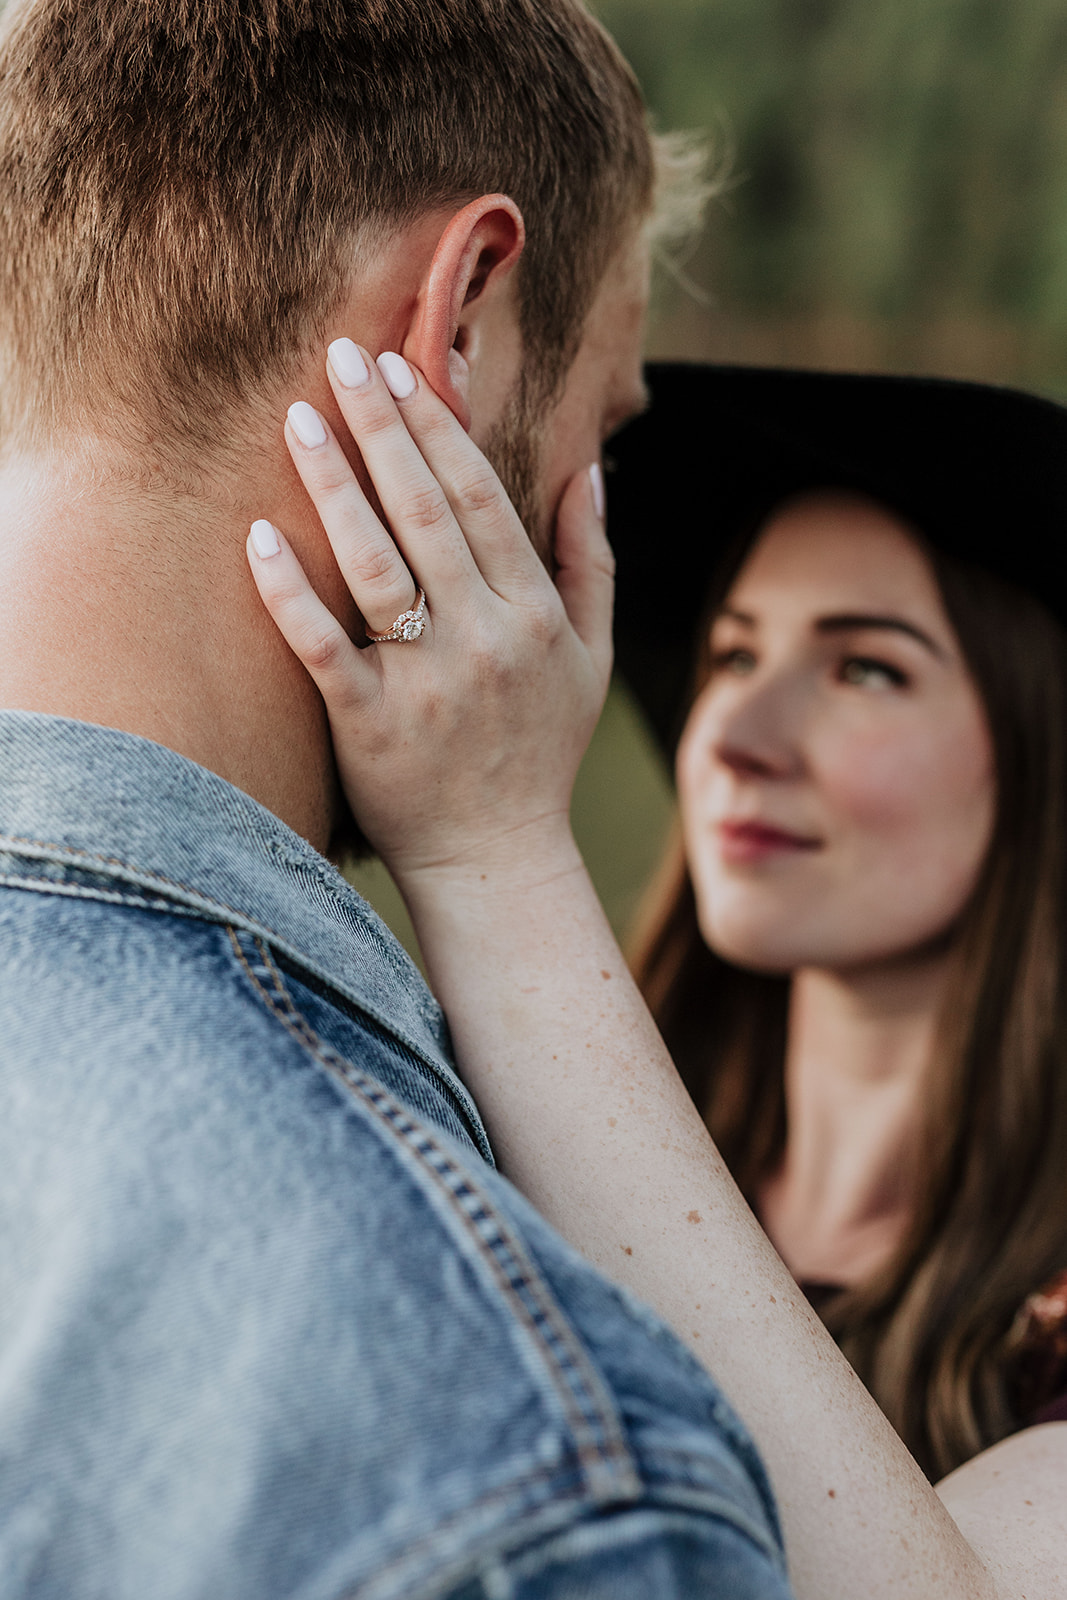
column 408, row 625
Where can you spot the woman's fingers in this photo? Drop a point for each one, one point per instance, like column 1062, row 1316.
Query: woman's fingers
column 443, row 499
column 309, row 628
column 498, row 700
column 451, row 528
column 585, row 565
column 373, row 568
column 415, row 503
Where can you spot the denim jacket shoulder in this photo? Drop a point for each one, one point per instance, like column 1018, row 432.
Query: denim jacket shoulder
column 270, row 1322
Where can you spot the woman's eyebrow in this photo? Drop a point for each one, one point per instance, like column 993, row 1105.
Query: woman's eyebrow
column 852, row 620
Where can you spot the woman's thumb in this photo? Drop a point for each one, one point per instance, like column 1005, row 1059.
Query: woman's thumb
column 585, row 565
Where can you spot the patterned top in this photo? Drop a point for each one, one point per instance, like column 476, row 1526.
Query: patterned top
column 1037, row 1349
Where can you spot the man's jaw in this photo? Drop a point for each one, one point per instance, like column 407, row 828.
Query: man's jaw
column 514, row 449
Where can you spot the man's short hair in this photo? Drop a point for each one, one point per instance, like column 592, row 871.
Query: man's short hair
column 186, row 188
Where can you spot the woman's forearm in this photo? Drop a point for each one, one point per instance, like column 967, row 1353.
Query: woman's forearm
column 591, row 1121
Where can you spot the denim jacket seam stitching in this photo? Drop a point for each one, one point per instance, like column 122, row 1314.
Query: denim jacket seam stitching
column 686, row 1500
column 112, row 897
column 290, row 1015
column 90, row 857
column 212, row 910
column 576, row 1382
column 671, row 1520
column 716, row 1505
column 297, row 1022
column 524, row 1484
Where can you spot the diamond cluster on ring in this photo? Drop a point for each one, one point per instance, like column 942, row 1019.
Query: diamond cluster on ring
column 410, row 625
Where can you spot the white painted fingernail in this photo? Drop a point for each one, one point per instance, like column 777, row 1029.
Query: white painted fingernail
column 596, row 478
column 399, row 378
column 307, row 424
column 348, row 364
column 265, row 540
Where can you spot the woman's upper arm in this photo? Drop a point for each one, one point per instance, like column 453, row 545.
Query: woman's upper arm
column 1011, row 1506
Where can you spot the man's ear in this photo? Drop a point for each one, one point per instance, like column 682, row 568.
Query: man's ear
column 464, row 297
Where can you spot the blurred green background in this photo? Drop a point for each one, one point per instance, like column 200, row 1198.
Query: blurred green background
column 899, row 180
column 896, row 199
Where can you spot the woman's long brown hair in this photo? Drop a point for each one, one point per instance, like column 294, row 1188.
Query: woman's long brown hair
column 929, row 1334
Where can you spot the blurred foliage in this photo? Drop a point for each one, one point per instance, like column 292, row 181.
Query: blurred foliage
column 898, row 170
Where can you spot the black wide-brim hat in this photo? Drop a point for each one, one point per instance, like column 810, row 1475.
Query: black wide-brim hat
column 980, row 471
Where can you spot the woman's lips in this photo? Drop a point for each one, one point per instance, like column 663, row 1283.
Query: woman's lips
column 755, row 841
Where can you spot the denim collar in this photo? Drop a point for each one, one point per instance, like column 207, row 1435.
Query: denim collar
column 86, row 799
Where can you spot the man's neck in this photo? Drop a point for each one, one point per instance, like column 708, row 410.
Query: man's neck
column 134, row 608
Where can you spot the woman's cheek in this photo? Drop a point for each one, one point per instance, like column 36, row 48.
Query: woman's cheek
column 874, row 780
column 919, row 810
column 902, row 774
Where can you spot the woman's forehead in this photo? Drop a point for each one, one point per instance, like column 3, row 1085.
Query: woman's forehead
column 830, row 549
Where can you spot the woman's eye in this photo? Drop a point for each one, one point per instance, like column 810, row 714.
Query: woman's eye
column 868, row 674
column 739, row 662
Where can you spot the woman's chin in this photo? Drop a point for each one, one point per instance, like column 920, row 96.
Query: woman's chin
column 781, row 943
column 757, row 949
column 756, row 926
column 780, row 951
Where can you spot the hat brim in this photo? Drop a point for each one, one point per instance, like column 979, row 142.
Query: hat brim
column 980, row 471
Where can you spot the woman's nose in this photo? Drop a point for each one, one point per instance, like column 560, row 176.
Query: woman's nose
column 746, row 761
column 758, row 732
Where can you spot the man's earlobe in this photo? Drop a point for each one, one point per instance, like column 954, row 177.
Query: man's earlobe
column 466, row 296
column 459, row 383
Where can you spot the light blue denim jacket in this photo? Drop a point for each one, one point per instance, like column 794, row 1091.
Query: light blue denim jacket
column 271, row 1325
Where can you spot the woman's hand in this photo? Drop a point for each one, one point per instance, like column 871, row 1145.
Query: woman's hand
column 458, row 749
